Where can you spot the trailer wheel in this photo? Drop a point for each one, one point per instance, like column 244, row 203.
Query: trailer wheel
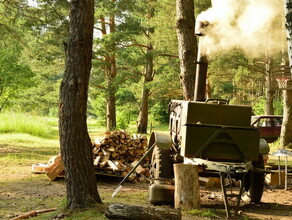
column 161, row 166
column 161, row 192
column 256, row 181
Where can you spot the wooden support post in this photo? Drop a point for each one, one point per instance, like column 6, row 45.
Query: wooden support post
column 187, row 192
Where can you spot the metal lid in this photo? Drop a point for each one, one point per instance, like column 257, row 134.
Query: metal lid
column 282, row 152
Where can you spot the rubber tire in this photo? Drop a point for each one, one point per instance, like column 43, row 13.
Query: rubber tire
column 257, row 181
column 161, row 166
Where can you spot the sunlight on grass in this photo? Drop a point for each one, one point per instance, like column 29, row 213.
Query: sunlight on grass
column 19, row 151
column 203, row 213
column 26, row 140
column 12, row 122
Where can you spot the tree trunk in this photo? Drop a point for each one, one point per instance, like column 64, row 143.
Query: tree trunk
column 131, row 212
column 143, row 115
column 286, row 131
column 110, row 72
column 187, row 46
column 269, row 90
column 187, row 191
column 286, row 134
column 111, row 106
column 148, row 77
column 76, row 147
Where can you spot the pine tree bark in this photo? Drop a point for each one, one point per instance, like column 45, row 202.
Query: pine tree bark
column 143, row 114
column 111, row 105
column 286, row 132
column 148, row 77
column 187, row 46
column 76, row 148
column 111, row 120
column 269, row 90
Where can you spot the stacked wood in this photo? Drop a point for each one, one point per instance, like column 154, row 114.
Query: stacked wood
column 118, row 152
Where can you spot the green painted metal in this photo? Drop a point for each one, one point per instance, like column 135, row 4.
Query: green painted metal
column 214, row 114
column 214, row 131
column 162, row 140
column 220, row 143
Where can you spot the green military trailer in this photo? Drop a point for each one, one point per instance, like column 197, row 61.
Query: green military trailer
column 214, row 135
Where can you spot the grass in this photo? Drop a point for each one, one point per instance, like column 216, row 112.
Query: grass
column 12, row 122
column 21, row 191
column 26, row 140
column 203, row 213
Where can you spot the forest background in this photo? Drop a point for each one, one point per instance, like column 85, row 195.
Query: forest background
column 135, row 70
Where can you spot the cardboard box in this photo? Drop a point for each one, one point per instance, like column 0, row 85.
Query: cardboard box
column 272, row 179
column 55, row 170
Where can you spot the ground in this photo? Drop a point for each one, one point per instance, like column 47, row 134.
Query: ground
column 38, row 192
column 21, row 191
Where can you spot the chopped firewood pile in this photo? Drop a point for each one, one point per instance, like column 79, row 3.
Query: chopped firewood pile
column 114, row 155
column 118, row 152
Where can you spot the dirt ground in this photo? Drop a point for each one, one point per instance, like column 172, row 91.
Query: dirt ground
column 276, row 203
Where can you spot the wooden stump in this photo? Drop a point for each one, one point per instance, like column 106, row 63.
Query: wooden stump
column 131, row 212
column 187, row 192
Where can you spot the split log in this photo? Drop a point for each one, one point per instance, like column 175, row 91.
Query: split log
column 130, row 212
column 112, row 165
column 187, row 192
column 96, row 161
column 140, row 170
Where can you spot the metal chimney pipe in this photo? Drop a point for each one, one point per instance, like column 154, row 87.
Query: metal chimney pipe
column 201, row 74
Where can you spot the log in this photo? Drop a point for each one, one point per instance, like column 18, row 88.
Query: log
column 187, row 192
column 112, row 165
column 96, row 161
column 131, row 212
column 139, row 169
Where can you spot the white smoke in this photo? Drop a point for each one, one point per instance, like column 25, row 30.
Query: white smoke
column 252, row 25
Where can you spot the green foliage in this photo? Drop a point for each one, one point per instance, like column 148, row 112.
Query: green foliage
column 234, row 76
column 127, row 108
column 32, row 49
column 201, row 5
column 97, row 108
column 12, row 122
column 259, row 106
column 15, row 75
column 278, row 106
column 159, row 112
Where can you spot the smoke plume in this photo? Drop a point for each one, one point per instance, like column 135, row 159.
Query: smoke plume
column 252, row 25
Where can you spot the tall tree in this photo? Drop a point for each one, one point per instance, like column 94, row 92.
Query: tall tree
column 269, row 90
column 187, row 46
column 111, row 16
column 110, row 71
column 149, row 73
column 76, row 148
column 15, row 73
column 286, row 132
